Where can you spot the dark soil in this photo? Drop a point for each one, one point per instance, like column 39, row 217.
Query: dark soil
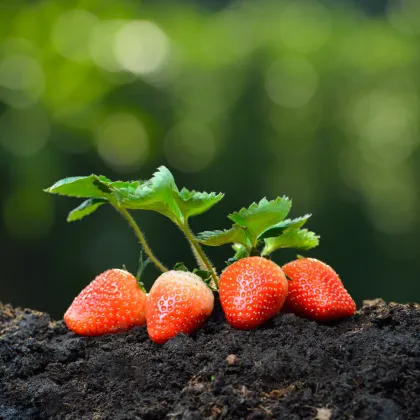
column 366, row 367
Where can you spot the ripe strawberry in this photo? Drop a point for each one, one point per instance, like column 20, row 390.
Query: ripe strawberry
column 316, row 291
column 112, row 302
column 178, row 301
column 252, row 290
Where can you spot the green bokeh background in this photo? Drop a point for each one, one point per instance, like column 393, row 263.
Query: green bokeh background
column 302, row 98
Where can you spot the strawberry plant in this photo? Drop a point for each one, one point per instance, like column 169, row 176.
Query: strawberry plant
column 159, row 194
column 262, row 229
column 162, row 195
column 252, row 288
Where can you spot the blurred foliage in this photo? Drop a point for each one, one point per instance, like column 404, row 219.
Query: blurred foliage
column 258, row 99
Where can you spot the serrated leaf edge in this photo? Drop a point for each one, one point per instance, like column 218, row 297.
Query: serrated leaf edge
column 244, row 211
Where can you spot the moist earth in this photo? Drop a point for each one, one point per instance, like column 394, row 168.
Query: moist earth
column 365, row 367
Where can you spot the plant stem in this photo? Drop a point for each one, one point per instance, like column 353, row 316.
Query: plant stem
column 141, row 238
column 200, row 262
column 196, row 246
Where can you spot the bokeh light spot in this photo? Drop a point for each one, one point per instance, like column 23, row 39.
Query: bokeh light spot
column 387, row 126
column 22, row 80
column 392, row 203
column 71, row 34
column 100, row 44
column 291, row 82
column 141, row 47
column 190, row 147
column 404, row 15
column 122, row 141
column 228, row 38
column 374, row 47
column 24, row 132
column 305, row 26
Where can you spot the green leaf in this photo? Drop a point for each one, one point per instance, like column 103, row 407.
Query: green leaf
column 193, row 203
column 302, row 239
column 206, row 277
column 180, row 266
column 161, row 194
column 157, row 194
column 240, row 252
column 257, row 218
column 125, row 189
column 86, row 208
column 236, row 234
column 92, row 186
column 263, row 224
column 278, row 229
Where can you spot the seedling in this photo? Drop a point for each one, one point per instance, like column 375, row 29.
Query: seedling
column 159, row 194
column 252, row 288
column 262, row 229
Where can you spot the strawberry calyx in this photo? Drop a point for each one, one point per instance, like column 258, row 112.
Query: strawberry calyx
column 261, row 229
column 180, row 266
column 207, row 278
column 143, row 263
column 205, row 275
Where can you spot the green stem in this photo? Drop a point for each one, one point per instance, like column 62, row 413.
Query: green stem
column 200, row 262
column 196, row 246
column 141, row 238
column 142, row 266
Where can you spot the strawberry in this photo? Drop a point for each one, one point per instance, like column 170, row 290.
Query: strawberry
column 178, row 302
column 112, row 302
column 316, row 291
column 252, row 290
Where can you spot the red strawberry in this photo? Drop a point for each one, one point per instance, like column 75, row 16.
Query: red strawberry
column 110, row 303
column 316, row 291
column 252, row 290
column 178, row 301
